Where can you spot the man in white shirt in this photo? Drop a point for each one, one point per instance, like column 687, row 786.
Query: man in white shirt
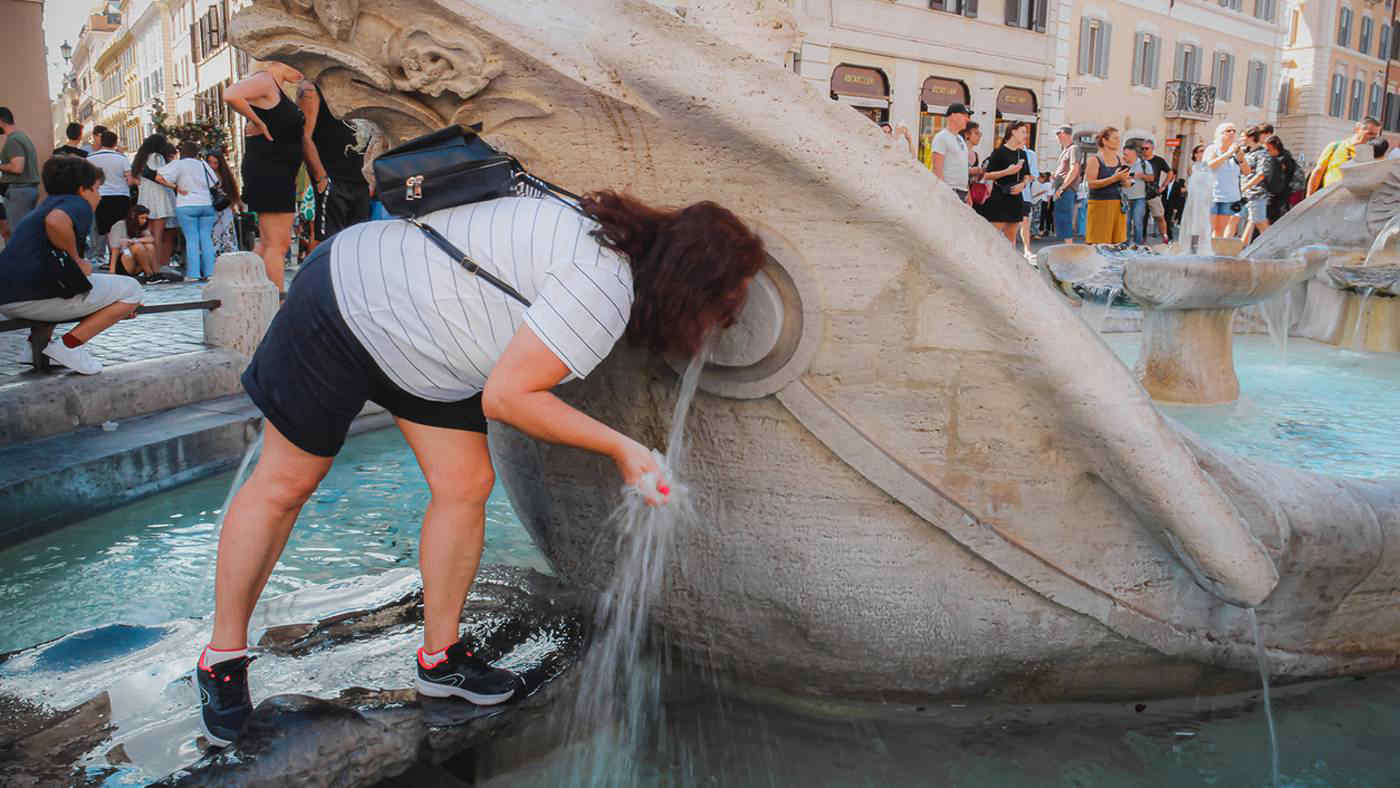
column 950, row 159
column 115, row 190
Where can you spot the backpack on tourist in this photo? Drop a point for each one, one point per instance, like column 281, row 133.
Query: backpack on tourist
column 1281, row 177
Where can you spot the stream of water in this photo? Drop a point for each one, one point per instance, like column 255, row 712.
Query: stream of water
column 1268, row 702
column 618, row 703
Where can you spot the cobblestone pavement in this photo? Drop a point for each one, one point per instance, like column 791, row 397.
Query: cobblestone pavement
column 147, row 336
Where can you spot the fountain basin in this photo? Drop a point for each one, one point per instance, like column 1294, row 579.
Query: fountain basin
column 1189, row 304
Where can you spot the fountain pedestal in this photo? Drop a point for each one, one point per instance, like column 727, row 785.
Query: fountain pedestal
column 1188, row 356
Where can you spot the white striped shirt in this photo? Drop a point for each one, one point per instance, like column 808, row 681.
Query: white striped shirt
column 436, row 330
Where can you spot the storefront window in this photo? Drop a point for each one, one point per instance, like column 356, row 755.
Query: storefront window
column 864, row 88
column 934, row 99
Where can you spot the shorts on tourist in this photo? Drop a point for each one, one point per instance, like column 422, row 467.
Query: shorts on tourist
column 107, row 289
column 1064, row 216
column 1258, row 210
column 110, row 210
column 1223, row 209
column 1155, row 209
column 311, row 376
column 1107, row 224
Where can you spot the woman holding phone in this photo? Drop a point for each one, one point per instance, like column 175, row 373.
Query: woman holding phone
column 1106, row 175
column 1008, row 170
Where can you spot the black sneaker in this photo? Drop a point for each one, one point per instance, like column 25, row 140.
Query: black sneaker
column 224, row 702
column 460, row 674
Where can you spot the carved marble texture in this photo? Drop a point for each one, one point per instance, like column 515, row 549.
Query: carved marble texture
column 935, row 469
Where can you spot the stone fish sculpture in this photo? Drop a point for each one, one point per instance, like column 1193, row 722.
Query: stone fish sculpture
column 920, row 473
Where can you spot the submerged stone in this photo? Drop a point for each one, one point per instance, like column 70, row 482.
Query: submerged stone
column 360, row 727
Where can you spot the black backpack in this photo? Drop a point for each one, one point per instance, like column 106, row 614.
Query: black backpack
column 1281, row 180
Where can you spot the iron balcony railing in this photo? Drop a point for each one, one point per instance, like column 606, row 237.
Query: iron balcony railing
column 1190, row 100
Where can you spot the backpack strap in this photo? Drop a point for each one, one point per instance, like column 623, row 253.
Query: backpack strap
column 441, row 242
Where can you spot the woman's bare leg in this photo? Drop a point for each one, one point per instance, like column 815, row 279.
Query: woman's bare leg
column 457, row 466
column 256, row 528
column 164, row 244
column 274, row 239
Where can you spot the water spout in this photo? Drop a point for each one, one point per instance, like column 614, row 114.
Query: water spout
column 1268, row 703
column 1358, row 339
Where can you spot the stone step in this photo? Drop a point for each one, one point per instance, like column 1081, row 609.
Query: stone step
column 49, row 483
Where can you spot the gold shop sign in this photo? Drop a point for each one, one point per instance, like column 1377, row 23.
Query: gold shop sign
column 939, row 93
column 859, row 81
column 1016, row 101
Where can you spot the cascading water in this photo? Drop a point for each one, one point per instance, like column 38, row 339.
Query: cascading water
column 1193, row 235
column 1096, row 309
column 1268, row 703
column 1358, row 337
column 618, row 705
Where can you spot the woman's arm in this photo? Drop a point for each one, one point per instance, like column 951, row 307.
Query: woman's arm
column 1091, row 174
column 995, row 174
column 518, row 393
column 249, row 89
column 310, row 102
column 59, row 228
column 1215, row 161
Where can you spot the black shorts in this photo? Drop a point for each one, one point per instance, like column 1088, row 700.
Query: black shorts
column 310, row 376
column 110, row 210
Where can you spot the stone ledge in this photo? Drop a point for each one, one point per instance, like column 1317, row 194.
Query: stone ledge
column 49, row 483
column 41, row 406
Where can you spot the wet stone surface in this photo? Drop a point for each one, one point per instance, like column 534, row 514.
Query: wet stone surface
column 1381, row 279
column 330, row 687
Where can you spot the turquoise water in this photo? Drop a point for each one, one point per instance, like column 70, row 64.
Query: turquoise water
column 1320, row 408
column 152, row 561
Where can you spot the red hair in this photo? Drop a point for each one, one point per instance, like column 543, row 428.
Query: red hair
column 690, row 267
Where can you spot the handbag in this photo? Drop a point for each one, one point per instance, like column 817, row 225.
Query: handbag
column 62, row 270
column 217, row 195
column 979, row 192
column 450, row 167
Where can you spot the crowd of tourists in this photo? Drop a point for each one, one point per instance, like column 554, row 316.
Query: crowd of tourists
column 1126, row 193
column 171, row 199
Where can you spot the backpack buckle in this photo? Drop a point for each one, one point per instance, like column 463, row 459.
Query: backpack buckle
column 413, row 185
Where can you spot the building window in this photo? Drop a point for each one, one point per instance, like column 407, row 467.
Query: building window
column 1354, row 113
column 1344, row 27
column 1337, row 100
column 1187, row 66
column 1223, row 76
column 1293, row 22
column 1392, row 112
column 1256, row 84
column 1095, row 35
column 1363, row 45
column 1373, row 102
column 1145, row 57
column 1027, row 14
column 1266, row 9
column 1383, row 47
column 1233, row 5
column 210, row 32
column 967, row 8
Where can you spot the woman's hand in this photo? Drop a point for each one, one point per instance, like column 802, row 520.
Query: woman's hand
column 260, row 128
column 182, row 190
column 634, row 461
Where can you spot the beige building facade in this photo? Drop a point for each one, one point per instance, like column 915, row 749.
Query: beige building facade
column 23, row 62
column 906, row 61
column 1173, row 73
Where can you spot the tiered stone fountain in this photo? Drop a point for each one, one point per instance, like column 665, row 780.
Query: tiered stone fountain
column 1189, row 304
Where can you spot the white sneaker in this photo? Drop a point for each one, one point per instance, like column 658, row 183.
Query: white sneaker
column 77, row 358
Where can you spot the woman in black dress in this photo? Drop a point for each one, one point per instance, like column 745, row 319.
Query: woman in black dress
column 271, row 159
column 1008, row 170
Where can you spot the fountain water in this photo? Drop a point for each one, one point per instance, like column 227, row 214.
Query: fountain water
column 619, row 692
column 1358, row 341
column 1268, row 702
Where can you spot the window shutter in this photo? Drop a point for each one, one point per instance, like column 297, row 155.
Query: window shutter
column 1152, row 62
column 1196, row 65
column 1282, row 107
column 1229, row 77
column 194, row 44
column 1179, row 64
column 970, row 9
column 1086, row 63
column 1139, row 44
column 1042, row 12
column 1013, row 12
column 1101, row 58
column 1383, row 48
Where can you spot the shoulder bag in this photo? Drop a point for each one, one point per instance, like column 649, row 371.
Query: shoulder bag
column 451, row 167
column 217, row 195
column 63, row 271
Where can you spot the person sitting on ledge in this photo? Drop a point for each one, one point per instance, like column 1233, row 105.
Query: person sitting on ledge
column 133, row 246
column 28, row 291
column 379, row 313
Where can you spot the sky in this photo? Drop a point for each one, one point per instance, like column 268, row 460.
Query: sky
column 63, row 19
